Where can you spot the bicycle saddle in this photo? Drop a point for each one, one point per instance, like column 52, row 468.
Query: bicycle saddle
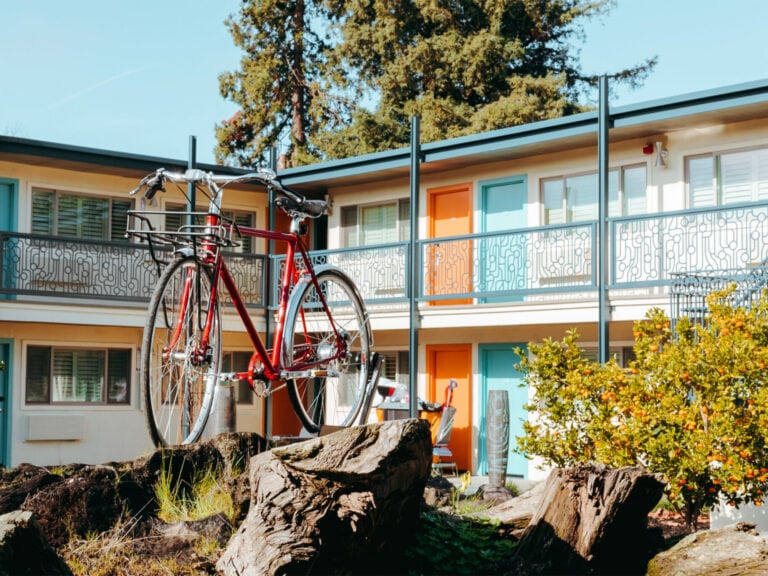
column 307, row 207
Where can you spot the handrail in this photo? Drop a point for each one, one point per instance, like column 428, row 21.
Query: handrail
column 648, row 251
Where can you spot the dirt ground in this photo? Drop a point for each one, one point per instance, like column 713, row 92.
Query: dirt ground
column 673, row 525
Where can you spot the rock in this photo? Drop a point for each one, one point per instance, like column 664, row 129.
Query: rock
column 335, row 503
column 592, row 519
column 24, row 549
column 736, row 549
column 515, row 514
column 493, row 494
column 438, row 492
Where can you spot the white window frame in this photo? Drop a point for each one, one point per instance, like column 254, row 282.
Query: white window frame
column 755, row 189
column 618, row 196
column 113, row 234
column 101, row 347
column 402, row 225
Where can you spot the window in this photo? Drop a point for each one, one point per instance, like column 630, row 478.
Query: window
column 376, row 224
column 176, row 221
column 627, row 191
column 574, row 198
column 396, row 366
column 623, row 356
column 60, row 375
column 727, row 178
column 90, row 217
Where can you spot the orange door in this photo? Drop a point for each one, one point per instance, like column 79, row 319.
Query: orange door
column 449, row 264
column 444, row 362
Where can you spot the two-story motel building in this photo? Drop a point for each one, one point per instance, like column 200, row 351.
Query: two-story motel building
column 507, row 247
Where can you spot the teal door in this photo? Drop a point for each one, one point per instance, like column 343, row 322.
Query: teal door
column 5, row 402
column 498, row 372
column 503, row 258
column 9, row 190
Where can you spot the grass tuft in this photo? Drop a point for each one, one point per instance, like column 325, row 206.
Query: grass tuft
column 205, row 497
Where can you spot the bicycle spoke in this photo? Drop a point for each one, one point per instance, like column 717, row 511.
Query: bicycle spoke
column 176, row 371
column 339, row 345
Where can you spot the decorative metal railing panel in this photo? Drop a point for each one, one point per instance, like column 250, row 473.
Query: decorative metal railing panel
column 50, row 266
column 544, row 263
column 508, row 266
column 689, row 292
column 652, row 249
column 378, row 271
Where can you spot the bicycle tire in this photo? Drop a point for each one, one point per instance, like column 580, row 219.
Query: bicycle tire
column 309, row 336
column 178, row 388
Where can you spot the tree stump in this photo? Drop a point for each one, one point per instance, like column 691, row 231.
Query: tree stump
column 336, row 504
column 592, row 519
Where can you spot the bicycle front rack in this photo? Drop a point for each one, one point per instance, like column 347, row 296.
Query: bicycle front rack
column 140, row 226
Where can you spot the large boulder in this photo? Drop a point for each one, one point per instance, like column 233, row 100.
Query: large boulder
column 515, row 514
column 24, row 549
column 333, row 504
column 736, row 549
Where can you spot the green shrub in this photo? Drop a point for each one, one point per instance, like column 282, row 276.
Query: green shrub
column 693, row 406
column 446, row 544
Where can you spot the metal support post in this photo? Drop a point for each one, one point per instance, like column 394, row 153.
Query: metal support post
column 603, row 278
column 414, row 270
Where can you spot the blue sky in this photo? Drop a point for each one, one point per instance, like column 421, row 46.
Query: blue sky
column 142, row 76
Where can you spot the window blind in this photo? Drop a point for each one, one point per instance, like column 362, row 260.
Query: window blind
column 379, row 224
column 553, row 201
column 635, row 195
column 78, row 375
column 701, row 181
column 42, row 212
column 581, row 197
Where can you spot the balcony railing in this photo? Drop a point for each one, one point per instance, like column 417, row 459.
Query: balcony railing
column 49, row 266
column 523, row 265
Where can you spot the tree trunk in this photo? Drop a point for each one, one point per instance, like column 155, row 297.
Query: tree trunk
column 594, row 519
column 336, row 504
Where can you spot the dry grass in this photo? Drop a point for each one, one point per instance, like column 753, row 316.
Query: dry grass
column 115, row 553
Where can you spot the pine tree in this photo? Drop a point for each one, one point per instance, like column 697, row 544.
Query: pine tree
column 284, row 87
column 463, row 66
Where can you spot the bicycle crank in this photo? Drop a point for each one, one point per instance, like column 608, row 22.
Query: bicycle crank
column 318, row 373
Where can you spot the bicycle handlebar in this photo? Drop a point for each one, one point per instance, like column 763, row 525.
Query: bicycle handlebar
column 155, row 181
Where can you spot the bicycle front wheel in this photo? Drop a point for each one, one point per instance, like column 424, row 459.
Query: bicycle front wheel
column 334, row 387
column 179, row 371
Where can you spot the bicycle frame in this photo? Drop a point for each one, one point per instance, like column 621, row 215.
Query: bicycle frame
column 272, row 368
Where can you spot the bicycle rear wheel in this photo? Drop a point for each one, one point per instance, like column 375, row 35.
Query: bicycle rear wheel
column 310, row 337
column 177, row 375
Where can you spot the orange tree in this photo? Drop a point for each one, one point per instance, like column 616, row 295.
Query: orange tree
column 692, row 406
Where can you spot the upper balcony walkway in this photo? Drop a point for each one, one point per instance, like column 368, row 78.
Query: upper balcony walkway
column 542, row 264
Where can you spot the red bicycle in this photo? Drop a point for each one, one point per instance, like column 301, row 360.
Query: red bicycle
column 322, row 340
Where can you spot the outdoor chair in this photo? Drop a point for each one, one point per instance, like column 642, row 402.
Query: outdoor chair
column 442, row 457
